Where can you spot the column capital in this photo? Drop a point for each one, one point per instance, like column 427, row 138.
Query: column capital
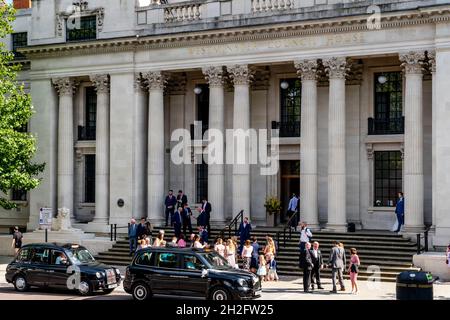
column 306, row 69
column 336, row 67
column 412, row 61
column 65, row 86
column 214, row 75
column 241, row 74
column 139, row 82
column 432, row 60
column 156, row 79
column 100, row 82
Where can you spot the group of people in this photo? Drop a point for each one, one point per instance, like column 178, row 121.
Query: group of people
column 311, row 262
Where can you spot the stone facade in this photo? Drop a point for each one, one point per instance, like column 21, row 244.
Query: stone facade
column 147, row 60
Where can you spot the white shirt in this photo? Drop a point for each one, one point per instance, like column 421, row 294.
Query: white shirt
column 315, row 253
column 293, row 204
column 305, row 234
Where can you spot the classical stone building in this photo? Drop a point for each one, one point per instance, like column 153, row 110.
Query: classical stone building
column 359, row 90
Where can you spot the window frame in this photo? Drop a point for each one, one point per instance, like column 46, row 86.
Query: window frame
column 382, row 172
column 83, row 30
column 23, row 43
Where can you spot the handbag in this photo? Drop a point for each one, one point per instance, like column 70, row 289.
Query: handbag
column 354, row 268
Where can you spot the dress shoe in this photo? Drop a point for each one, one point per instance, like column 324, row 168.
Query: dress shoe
column 308, row 291
column 312, row 287
column 320, row 287
column 342, row 289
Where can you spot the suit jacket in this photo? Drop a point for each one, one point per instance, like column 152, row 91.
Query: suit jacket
column 207, row 208
column 337, row 258
column 244, row 231
column 181, row 202
column 316, row 261
column 177, row 217
column 170, row 201
column 132, row 231
column 201, row 219
column 400, row 207
column 306, row 260
column 141, row 229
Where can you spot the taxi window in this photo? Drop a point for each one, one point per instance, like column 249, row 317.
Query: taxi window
column 23, row 255
column 39, row 255
column 192, row 262
column 144, row 259
column 167, row 260
column 58, row 257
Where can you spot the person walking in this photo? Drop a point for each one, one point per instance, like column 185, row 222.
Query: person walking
column 170, row 203
column 336, row 262
column 206, row 209
column 400, row 211
column 292, row 209
column 305, row 235
column 219, row 247
column 244, row 231
column 262, row 269
column 132, row 236
column 306, row 265
column 353, row 269
column 247, row 255
column 230, row 253
column 255, row 255
column 17, row 240
column 317, row 261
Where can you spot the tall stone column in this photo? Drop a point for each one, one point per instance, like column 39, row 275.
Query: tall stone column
column 241, row 76
column 155, row 174
column 66, row 88
column 413, row 155
column 336, row 68
column 101, row 85
column 432, row 66
column 216, row 180
column 309, row 212
column 140, row 119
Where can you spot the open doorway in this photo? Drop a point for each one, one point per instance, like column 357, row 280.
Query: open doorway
column 290, row 183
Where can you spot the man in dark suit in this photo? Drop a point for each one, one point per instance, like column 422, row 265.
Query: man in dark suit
column 170, row 203
column 400, row 211
column 244, row 231
column 201, row 218
column 186, row 217
column 306, row 265
column 206, row 208
column 181, row 199
column 317, row 260
column 177, row 221
column 141, row 229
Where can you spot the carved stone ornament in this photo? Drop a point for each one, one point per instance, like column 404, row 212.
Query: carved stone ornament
column 100, row 82
column 306, row 69
column 214, row 75
column 336, row 67
column 240, row 74
column 139, row 82
column 412, row 62
column 432, row 61
column 65, row 86
column 156, row 79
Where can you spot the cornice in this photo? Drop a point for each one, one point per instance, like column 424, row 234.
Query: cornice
column 223, row 36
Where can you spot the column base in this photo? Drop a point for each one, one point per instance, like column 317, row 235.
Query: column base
column 335, row 227
column 413, row 229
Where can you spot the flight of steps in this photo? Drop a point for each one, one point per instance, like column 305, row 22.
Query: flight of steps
column 385, row 253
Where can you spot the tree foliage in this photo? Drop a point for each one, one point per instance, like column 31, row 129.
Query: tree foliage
column 17, row 147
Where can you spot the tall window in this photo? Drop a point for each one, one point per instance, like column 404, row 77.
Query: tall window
column 290, row 108
column 203, row 107
column 88, row 131
column 388, row 104
column 83, row 29
column 201, row 181
column 19, row 40
column 19, row 195
column 388, row 177
column 89, row 178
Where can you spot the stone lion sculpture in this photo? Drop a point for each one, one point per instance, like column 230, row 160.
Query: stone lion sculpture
column 62, row 221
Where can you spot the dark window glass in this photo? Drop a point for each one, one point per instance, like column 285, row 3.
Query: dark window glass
column 39, row 255
column 290, row 103
column 167, row 260
column 83, row 28
column 23, row 255
column 91, row 113
column 192, row 262
column 203, row 105
column 388, row 177
column 145, row 259
column 89, row 179
column 19, row 195
column 19, row 40
column 202, row 181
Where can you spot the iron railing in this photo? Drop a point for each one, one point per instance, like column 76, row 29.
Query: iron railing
column 386, row 126
column 286, row 233
column 419, row 238
column 113, row 230
column 233, row 225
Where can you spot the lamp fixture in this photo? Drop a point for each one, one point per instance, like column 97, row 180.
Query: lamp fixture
column 197, row 90
column 284, row 85
column 382, row 79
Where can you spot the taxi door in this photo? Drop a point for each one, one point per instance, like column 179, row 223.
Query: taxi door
column 57, row 272
column 37, row 269
column 164, row 274
column 192, row 280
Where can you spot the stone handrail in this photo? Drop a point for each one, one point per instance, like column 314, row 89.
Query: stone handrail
column 183, row 11
column 271, row 5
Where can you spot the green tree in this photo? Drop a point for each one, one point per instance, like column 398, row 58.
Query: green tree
column 17, row 147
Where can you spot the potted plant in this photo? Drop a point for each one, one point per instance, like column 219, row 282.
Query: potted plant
column 273, row 208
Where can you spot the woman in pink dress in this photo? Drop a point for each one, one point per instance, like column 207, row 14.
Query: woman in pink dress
column 353, row 269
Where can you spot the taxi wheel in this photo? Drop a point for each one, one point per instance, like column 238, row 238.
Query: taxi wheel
column 141, row 292
column 20, row 283
column 85, row 288
column 220, row 293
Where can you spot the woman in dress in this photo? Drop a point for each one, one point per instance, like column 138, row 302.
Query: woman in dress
column 181, row 242
column 269, row 249
column 197, row 243
column 159, row 240
column 353, row 269
column 448, row 255
column 230, row 253
column 219, row 247
column 143, row 242
column 262, row 268
column 247, row 255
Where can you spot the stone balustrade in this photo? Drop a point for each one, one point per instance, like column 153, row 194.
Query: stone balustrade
column 184, row 11
column 271, row 5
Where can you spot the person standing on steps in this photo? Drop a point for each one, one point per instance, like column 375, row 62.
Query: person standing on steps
column 305, row 235
column 400, row 211
column 177, row 222
column 306, row 265
column 206, row 209
column 336, row 263
column 170, row 204
column 181, row 199
column 244, row 232
column 132, row 236
column 317, row 261
column 186, row 215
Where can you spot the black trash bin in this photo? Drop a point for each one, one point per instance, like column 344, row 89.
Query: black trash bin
column 415, row 285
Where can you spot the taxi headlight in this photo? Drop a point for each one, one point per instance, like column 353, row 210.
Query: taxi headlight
column 255, row 279
column 242, row 283
column 98, row 275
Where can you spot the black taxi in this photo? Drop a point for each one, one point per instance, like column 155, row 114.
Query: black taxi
column 68, row 266
column 187, row 272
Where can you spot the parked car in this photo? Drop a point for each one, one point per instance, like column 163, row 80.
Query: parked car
column 68, row 266
column 187, row 272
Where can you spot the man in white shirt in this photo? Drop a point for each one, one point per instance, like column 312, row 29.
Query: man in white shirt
column 305, row 235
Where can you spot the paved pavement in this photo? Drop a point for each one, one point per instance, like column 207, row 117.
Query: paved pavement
column 285, row 289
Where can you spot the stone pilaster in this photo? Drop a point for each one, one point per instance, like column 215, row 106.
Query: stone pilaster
column 432, row 67
column 337, row 69
column 101, row 85
column 241, row 76
column 155, row 174
column 66, row 88
column 216, row 181
column 307, row 70
column 413, row 156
